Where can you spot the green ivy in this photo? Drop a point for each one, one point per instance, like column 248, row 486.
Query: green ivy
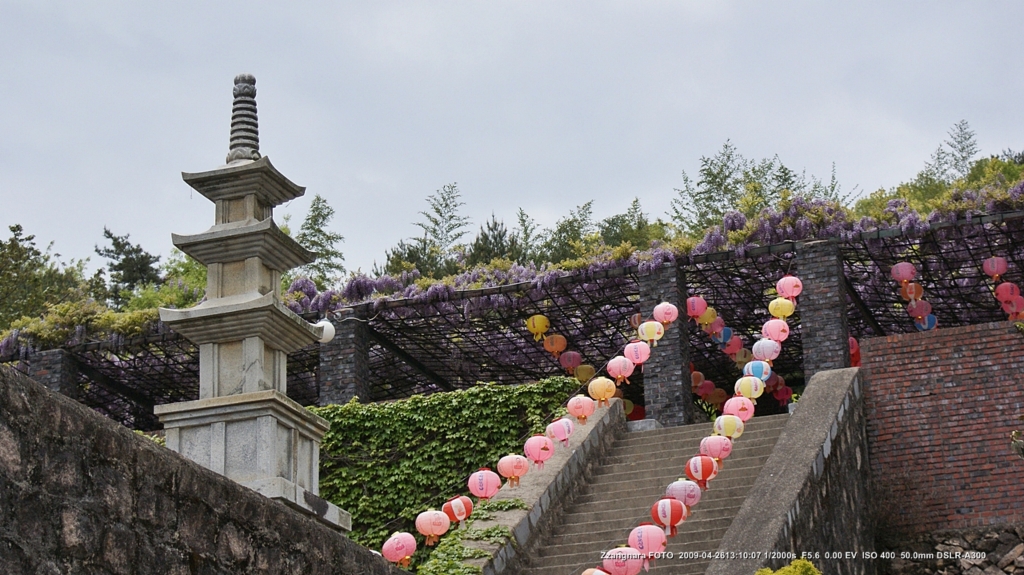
column 496, row 534
column 798, row 567
column 387, row 462
column 448, row 557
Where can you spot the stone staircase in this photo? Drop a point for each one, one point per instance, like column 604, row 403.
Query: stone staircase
column 634, row 476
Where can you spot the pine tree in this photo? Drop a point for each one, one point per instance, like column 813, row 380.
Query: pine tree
column 131, row 267
column 328, row 268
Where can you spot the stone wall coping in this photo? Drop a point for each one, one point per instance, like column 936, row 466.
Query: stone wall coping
column 242, row 406
column 799, row 457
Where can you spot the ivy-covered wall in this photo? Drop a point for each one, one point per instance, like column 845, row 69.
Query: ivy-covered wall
column 387, row 462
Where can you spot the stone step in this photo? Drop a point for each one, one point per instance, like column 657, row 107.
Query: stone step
column 682, row 452
column 631, row 518
column 626, row 484
column 711, row 532
column 601, row 532
column 677, row 467
column 691, row 433
column 641, row 507
column 567, row 563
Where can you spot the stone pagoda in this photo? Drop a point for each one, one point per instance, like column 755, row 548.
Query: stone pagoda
column 243, row 425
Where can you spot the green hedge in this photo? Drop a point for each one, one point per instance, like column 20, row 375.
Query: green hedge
column 798, row 567
column 387, row 462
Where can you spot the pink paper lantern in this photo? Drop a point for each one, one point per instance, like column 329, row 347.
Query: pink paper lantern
column 581, row 407
column 1014, row 306
column 620, row 368
column 904, row 272
column 695, row 306
column 789, row 286
column 432, row 524
column 570, row 360
column 484, row 483
column 716, row 326
column 1006, row 291
column 399, row 548
column 560, row 430
column 733, row 345
column 648, row 539
column 994, row 267
column 739, row 406
column 637, row 352
column 512, row 467
column 766, row 349
column 775, row 330
column 684, row 490
column 717, row 447
column 919, row 308
column 705, row 388
column 623, row 561
column 538, row 449
column 666, row 313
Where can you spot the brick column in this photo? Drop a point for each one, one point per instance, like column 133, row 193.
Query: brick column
column 822, row 306
column 55, row 369
column 666, row 374
column 344, row 370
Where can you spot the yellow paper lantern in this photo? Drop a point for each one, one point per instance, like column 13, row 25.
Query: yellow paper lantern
column 601, row 389
column 627, row 406
column 749, row 387
column 651, row 331
column 708, row 316
column 729, row 425
column 585, row 372
column 743, row 357
column 537, row 325
column 781, row 308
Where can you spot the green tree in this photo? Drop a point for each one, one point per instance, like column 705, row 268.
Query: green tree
column 494, row 241
column 131, row 267
column 328, row 268
column 31, row 280
column 437, row 253
column 529, row 238
column 631, row 227
column 568, row 238
column 718, row 189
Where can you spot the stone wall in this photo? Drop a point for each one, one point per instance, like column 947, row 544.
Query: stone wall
column 812, row 495
column 941, row 405
column 994, row 550
column 667, row 396
column 548, row 491
column 344, row 370
column 82, row 494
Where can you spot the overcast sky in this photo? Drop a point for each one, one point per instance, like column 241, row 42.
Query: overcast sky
column 539, row 105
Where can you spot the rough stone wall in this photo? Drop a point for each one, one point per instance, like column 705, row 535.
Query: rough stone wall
column 824, row 332
column 986, row 551
column 941, row 405
column 56, row 370
column 667, row 396
column 82, row 494
column 344, row 370
column 812, row 495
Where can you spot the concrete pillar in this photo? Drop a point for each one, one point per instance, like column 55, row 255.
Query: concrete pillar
column 344, row 370
column 57, row 370
column 666, row 374
column 824, row 331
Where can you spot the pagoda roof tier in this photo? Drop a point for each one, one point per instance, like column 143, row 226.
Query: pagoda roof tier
column 233, row 242
column 242, row 178
column 235, row 318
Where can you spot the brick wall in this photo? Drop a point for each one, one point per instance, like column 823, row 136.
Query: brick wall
column 667, row 396
column 941, row 406
column 344, row 370
column 824, row 333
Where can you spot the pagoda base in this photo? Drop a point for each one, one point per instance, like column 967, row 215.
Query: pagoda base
column 263, row 440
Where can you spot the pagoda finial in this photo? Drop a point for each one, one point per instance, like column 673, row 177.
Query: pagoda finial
column 245, row 130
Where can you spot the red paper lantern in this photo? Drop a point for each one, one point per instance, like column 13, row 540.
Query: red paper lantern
column 1006, row 291
column 783, row 394
column 701, row 469
column 458, row 508
column 484, row 483
column 635, row 320
column 432, row 524
column 733, row 345
column 1014, row 306
column 919, row 309
column 670, row 512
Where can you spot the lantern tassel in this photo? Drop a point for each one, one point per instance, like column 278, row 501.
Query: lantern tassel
column 669, row 529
